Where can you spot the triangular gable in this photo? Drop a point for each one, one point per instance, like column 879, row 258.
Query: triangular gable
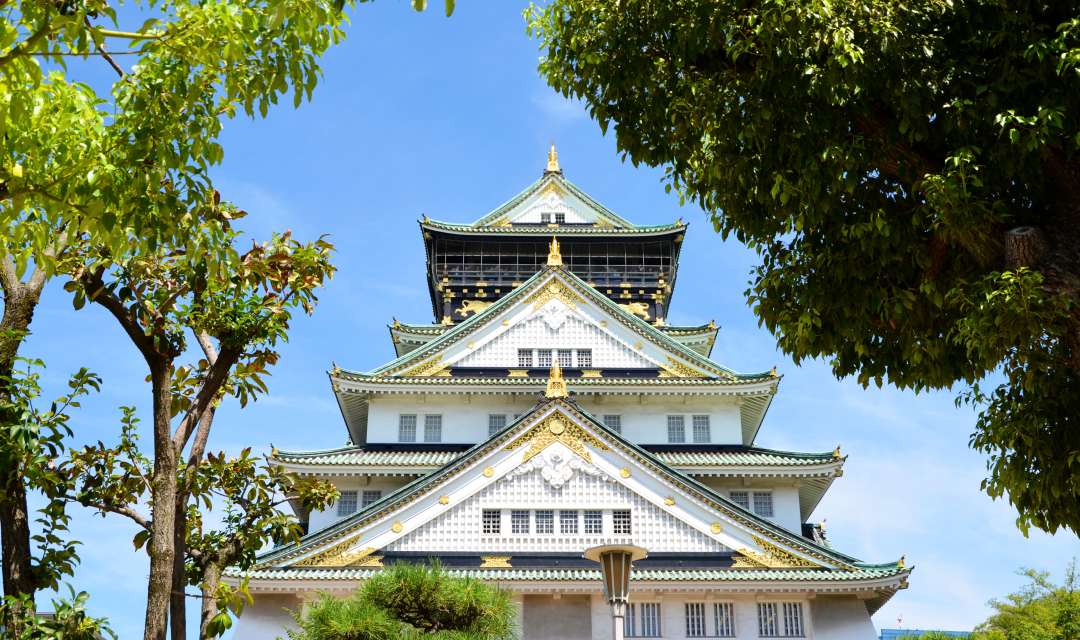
column 552, row 194
column 528, row 447
column 575, row 298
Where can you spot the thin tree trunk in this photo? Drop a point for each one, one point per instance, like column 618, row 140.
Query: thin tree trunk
column 178, row 604
column 211, row 579
column 20, row 301
column 163, row 487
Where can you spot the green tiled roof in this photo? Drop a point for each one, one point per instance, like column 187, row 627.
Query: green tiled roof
column 546, row 179
column 562, row 230
column 357, row 376
column 755, row 457
column 866, row 572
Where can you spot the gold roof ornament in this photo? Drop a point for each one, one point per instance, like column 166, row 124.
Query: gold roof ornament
column 553, row 161
column 554, row 257
column 556, row 386
column 836, row 453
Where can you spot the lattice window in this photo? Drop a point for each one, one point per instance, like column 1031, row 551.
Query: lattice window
column 568, row 522
column 496, row 423
column 519, row 521
column 545, row 521
column 560, row 218
column 741, row 498
column 566, row 358
column 543, row 358
column 620, row 521
column 584, row 357
column 370, row 496
column 763, row 503
column 695, row 620
column 724, row 619
column 613, row 421
column 525, row 357
column 492, row 521
column 346, row 504
column 642, row 620
column 676, row 429
column 545, row 217
column 702, row 431
column 594, row 521
column 780, row 620
column 407, row 427
column 433, row 428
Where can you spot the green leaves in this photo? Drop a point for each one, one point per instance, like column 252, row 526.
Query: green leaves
column 881, row 150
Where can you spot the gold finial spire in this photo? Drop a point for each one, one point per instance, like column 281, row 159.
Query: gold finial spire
column 554, row 257
column 553, row 161
column 556, row 386
column 836, row 452
column 900, row 564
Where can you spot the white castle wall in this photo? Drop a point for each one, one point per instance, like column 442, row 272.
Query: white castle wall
column 465, row 418
column 459, row 530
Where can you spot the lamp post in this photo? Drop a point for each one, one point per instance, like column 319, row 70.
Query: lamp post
column 616, row 560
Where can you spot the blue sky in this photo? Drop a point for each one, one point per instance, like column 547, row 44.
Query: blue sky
column 423, row 114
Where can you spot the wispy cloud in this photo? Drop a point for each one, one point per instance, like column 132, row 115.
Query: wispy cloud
column 557, row 109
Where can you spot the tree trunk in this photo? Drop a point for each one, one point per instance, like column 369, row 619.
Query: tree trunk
column 163, row 488
column 1024, row 247
column 211, row 579
column 178, row 604
column 20, row 301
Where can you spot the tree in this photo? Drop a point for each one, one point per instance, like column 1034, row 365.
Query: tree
column 909, row 175
column 1041, row 610
column 411, row 601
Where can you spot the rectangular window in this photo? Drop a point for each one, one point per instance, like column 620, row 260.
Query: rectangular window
column 525, row 358
column 642, row 620
column 613, row 422
column 369, row 497
column 492, row 521
column 406, row 427
column 545, row 218
column 594, row 522
column 724, row 619
column 584, row 357
column 519, row 521
column 566, row 358
column 560, row 218
column 496, row 423
column 676, row 429
column 695, row 619
column 433, row 428
column 780, row 620
column 568, row 522
column 702, row 432
column 620, row 522
column 346, row 504
column 543, row 358
column 741, row 498
column 763, row 505
column 545, row 521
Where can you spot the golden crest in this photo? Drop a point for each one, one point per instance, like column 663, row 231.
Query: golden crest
column 555, row 290
column 495, row 562
column 557, row 429
column 338, row 556
column 770, row 556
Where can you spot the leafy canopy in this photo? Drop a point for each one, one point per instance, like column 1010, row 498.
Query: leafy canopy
column 1041, row 610
column 411, row 601
column 908, row 173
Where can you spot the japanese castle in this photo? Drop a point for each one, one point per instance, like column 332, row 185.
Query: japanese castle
column 549, row 408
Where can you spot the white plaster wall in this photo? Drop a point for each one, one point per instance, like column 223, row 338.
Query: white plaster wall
column 786, row 512
column 846, row 624
column 837, row 618
column 460, row 528
column 320, row 519
column 465, row 420
column 267, row 617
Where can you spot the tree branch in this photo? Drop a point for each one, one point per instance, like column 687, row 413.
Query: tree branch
column 124, row 510
column 94, row 287
column 27, row 44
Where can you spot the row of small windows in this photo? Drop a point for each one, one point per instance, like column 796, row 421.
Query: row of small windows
column 543, row 521
column 775, row 620
column 433, row 423
column 407, row 427
column 676, row 429
column 760, row 502
column 566, row 357
column 545, row 217
column 346, row 504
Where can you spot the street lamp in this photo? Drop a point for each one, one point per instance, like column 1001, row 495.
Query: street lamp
column 616, row 560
